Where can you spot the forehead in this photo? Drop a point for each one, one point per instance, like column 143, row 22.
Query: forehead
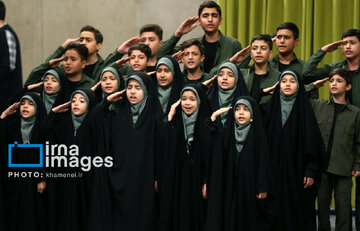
column 240, row 105
column 351, row 38
column 108, row 73
column 288, row 76
column 337, row 77
column 259, row 43
column 137, row 52
column 163, row 66
column 285, row 32
column 26, row 100
column 72, row 52
column 149, row 34
column 192, row 48
column 133, row 82
column 87, row 34
column 50, row 76
column 189, row 93
column 78, row 95
column 207, row 10
column 226, row 69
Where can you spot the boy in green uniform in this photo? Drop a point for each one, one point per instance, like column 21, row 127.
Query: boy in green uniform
column 218, row 47
column 339, row 123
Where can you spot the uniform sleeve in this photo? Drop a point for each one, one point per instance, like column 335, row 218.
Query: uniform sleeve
column 4, row 57
column 310, row 70
column 169, row 47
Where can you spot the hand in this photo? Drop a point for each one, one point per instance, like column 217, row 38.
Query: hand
column 208, row 83
column 219, row 112
column 33, row 86
column 115, row 96
column 204, row 195
column 173, row 110
column 355, row 173
column 62, row 108
column 121, row 62
column 68, row 41
column 308, row 182
column 178, row 56
column 187, row 26
column 10, row 110
column 261, row 195
column 156, row 186
column 270, row 89
column 241, row 55
column 54, row 63
column 151, row 73
column 96, row 86
column 41, row 186
column 320, row 83
column 124, row 48
column 332, row 46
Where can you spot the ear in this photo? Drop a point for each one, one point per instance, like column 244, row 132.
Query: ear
column 202, row 58
column 220, row 21
column 297, row 41
column 83, row 64
column 270, row 53
column 161, row 42
column 98, row 46
column 348, row 87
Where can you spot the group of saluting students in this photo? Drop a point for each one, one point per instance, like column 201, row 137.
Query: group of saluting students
column 246, row 149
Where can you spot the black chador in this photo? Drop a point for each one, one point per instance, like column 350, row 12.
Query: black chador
column 183, row 166
column 69, row 196
column 123, row 197
column 296, row 152
column 25, row 207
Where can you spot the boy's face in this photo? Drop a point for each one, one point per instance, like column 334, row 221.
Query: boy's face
column 189, row 102
column 27, row 108
column 109, row 82
column 51, row 84
column 88, row 39
column 78, row 104
column 226, row 79
column 138, row 61
column 260, row 51
column 134, row 92
column 73, row 63
column 152, row 40
column 209, row 20
column 351, row 47
column 242, row 114
column 285, row 41
column 337, row 85
column 192, row 57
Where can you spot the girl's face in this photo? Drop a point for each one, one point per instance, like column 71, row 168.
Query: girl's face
column 226, row 79
column 134, row 92
column 242, row 114
column 189, row 103
column 78, row 104
column 288, row 85
column 27, row 108
column 51, row 84
column 109, row 83
column 164, row 75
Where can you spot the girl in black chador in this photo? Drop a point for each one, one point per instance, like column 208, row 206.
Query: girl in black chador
column 182, row 184
column 123, row 196
column 24, row 198
column 296, row 154
column 68, row 124
column 240, row 156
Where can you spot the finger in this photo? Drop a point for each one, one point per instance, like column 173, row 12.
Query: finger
column 122, row 92
column 151, row 73
column 305, row 179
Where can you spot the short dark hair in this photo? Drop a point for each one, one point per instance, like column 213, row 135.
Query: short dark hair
column 152, row 28
column 2, row 10
column 97, row 34
column 351, row 32
column 81, row 49
column 193, row 42
column 141, row 47
column 345, row 74
column 263, row 37
column 289, row 26
column 209, row 4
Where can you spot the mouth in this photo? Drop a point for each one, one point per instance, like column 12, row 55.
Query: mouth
column 187, row 108
column 24, row 112
column 287, row 89
column 48, row 88
column 75, row 109
column 190, row 63
column 258, row 57
column 136, row 65
column 333, row 88
column 108, row 88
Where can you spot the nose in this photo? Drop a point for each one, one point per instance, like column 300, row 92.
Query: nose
column 190, row 56
column 258, row 50
column 210, row 18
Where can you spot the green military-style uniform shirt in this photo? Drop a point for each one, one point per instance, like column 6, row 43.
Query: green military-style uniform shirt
column 312, row 73
column 227, row 47
column 271, row 77
column 345, row 151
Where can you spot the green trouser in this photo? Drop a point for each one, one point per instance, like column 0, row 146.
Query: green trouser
column 341, row 185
